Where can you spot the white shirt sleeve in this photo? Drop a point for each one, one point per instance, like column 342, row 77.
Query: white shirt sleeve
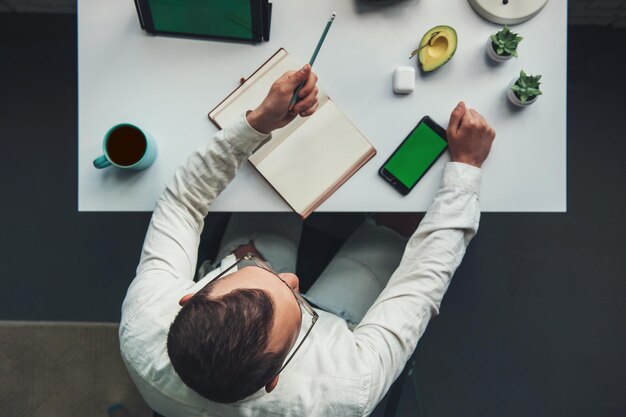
column 388, row 334
column 170, row 249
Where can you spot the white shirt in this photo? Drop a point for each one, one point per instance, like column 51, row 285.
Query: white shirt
column 337, row 372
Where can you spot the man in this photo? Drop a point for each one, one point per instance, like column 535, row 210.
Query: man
column 247, row 343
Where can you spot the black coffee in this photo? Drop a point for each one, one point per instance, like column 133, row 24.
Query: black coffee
column 126, row 145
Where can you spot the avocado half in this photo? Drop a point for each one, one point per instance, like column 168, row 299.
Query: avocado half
column 438, row 46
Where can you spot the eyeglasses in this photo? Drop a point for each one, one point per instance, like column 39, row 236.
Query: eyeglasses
column 251, row 260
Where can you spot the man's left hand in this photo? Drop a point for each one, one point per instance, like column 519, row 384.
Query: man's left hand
column 274, row 112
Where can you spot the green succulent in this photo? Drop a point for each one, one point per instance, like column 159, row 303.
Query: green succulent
column 527, row 87
column 505, row 42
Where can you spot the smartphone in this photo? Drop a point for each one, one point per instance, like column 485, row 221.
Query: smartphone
column 415, row 155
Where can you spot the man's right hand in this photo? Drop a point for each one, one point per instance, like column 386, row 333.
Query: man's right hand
column 469, row 136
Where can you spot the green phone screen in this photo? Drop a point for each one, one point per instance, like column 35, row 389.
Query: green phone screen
column 413, row 158
column 227, row 18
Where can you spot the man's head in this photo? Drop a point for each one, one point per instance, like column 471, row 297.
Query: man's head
column 231, row 338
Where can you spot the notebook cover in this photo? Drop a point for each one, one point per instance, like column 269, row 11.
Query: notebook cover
column 241, row 85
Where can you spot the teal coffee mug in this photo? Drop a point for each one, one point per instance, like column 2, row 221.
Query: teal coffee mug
column 127, row 146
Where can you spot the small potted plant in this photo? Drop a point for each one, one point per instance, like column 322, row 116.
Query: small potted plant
column 501, row 46
column 524, row 90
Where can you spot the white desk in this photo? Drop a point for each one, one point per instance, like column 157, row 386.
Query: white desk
column 168, row 85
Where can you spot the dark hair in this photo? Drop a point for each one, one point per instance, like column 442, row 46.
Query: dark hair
column 218, row 347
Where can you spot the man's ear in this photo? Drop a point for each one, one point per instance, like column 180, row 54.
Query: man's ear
column 272, row 384
column 185, row 298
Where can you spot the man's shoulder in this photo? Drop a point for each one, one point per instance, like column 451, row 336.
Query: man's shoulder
column 143, row 334
column 306, row 394
column 331, row 352
column 147, row 314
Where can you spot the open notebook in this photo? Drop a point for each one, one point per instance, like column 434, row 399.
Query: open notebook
column 307, row 160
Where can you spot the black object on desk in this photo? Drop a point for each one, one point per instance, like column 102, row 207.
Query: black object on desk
column 232, row 20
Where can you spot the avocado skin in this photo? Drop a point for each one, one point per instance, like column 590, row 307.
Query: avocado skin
column 452, row 38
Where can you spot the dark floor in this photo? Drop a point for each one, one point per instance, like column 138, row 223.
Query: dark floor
column 534, row 323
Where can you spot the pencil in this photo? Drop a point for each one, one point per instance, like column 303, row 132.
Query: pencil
column 294, row 98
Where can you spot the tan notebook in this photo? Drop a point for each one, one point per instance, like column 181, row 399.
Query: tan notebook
column 307, row 160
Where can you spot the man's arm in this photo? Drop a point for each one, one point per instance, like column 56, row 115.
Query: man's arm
column 388, row 334
column 171, row 244
column 170, row 249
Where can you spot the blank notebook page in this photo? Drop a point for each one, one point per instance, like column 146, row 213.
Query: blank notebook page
column 252, row 93
column 314, row 158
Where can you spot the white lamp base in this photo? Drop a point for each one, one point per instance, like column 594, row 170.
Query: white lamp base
column 509, row 12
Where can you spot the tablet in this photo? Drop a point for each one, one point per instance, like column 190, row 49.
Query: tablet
column 235, row 20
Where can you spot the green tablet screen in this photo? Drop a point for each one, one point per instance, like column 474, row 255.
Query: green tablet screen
column 224, row 18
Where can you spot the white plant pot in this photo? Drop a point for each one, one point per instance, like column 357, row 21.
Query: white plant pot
column 511, row 95
column 491, row 53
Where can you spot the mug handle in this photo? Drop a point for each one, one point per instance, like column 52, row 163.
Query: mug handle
column 101, row 162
